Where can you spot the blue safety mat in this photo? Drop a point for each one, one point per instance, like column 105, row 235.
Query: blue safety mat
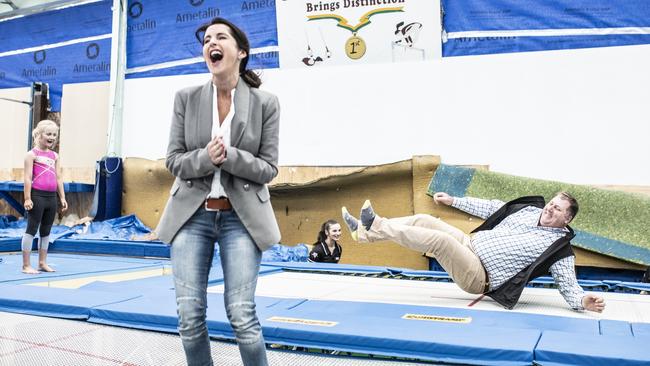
column 373, row 328
column 70, row 266
column 440, row 334
column 641, row 330
column 56, row 302
column 564, row 348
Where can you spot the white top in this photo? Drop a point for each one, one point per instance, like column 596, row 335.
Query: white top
column 217, row 189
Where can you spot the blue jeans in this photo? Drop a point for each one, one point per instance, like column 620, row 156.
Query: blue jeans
column 191, row 254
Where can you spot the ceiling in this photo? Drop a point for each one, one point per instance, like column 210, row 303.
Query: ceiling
column 11, row 8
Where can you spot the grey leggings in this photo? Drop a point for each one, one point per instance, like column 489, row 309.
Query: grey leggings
column 42, row 213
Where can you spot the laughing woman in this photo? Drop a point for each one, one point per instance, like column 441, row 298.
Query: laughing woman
column 223, row 150
column 327, row 249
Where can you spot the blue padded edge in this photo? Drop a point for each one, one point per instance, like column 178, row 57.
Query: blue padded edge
column 641, row 330
column 55, row 302
column 216, row 272
column 148, row 312
column 157, row 250
column 355, row 332
column 145, row 286
column 10, row 245
column 442, row 276
column 112, row 247
column 347, row 310
column 564, row 348
column 70, row 266
column 332, row 267
column 615, row 328
column 379, row 329
column 157, row 312
column 19, row 186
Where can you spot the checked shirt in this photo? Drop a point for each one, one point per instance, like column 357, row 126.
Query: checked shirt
column 515, row 243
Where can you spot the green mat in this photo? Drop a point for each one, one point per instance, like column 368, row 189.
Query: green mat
column 609, row 222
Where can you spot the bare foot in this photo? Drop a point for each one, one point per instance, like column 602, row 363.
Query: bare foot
column 29, row 270
column 146, row 237
column 45, row 268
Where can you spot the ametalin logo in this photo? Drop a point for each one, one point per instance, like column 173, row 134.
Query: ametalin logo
column 135, row 9
column 92, row 51
column 39, row 56
column 208, row 13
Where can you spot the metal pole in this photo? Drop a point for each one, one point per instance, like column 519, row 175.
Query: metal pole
column 118, row 70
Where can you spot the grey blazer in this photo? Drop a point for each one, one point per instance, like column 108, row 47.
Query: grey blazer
column 251, row 160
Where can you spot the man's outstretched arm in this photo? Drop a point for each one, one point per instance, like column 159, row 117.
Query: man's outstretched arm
column 473, row 206
column 563, row 272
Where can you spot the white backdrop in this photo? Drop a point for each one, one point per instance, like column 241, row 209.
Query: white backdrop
column 384, row 41
column 579, row 116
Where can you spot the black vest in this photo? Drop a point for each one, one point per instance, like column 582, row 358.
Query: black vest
column 508, row 293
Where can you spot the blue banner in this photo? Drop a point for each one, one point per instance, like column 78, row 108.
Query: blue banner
column 56, row 26
column 157, row 33
column 264, row 60
column 160, row 32
column 76, row 63
column 475, row 27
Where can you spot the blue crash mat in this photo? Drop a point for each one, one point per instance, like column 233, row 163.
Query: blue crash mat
column 56, row 302
column 69, row 266
column 641, row 330
column 564, row 348
column 112, row 247
column 439, row 334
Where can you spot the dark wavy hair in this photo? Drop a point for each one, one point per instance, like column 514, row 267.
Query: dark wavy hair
column 322, row 234
column 249, row 76
column 573, row 203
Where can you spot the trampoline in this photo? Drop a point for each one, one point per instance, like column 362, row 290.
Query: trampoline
column 373, row 311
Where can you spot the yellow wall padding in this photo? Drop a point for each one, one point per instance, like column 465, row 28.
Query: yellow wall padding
column 304, row 197
column 145, row 189
column 302, row 208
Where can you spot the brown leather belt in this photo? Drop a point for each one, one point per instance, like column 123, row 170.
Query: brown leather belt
column 218, row 204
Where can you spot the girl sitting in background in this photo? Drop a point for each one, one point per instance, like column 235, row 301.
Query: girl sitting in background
column 327, row 249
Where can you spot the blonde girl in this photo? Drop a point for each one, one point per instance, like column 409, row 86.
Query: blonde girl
column 42, row 182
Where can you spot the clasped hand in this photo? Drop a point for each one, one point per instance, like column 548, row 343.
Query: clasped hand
column 216, row 150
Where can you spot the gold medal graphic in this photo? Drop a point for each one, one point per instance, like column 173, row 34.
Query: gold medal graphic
column 355, row 47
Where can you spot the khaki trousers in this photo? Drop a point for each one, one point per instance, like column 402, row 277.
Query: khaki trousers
column 425, row 233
